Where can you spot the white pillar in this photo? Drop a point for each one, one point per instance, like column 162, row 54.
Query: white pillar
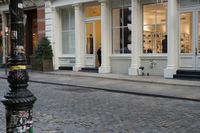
column 78, row 37
column 105, row 37
column 172, row 39
column 4, row 37
column 52, row 30
column 56, row 36
column 135, row 58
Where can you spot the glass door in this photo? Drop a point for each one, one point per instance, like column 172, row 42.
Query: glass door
column 89, row 38
column 189, row 43
column 93, row 43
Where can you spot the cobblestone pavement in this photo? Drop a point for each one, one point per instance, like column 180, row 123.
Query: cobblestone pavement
column 63, row 109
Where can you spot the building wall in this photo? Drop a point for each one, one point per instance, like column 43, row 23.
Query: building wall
column 120, row 64
column 41, row 22
column 155, row 63
column 36, row 25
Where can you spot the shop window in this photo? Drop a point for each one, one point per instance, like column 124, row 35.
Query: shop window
column 154, row 28
column 121, row 28
column 68, row 30
column 186, row 32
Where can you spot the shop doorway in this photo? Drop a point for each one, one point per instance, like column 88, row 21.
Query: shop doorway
column 92, row 43
column 189, row 42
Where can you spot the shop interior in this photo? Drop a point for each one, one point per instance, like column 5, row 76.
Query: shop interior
column 154, row 28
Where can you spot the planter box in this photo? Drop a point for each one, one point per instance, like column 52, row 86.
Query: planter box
column 46, row 66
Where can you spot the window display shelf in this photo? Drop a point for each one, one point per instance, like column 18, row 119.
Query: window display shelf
column 185, row 43
column 153, row 42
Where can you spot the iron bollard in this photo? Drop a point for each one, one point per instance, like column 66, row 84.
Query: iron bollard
column 18, row 100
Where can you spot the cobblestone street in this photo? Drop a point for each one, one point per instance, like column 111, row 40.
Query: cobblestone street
column 67, row 109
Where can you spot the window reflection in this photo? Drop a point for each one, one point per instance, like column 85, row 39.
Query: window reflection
column 121, row 30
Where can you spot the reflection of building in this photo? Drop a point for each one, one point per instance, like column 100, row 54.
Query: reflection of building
column 34, row 25
column 136, row 25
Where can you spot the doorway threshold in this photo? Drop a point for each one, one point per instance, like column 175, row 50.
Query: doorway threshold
column 88, row 69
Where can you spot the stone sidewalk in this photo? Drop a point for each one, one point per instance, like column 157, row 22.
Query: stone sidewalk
column 139, row 85
column 147, row 79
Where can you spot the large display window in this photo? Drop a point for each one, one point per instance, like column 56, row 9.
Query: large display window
column 121, row 27
column 68, row 30
column 154, row 28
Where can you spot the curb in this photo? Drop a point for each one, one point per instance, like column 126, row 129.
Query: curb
column 120, row 91
column 125, row 79
column 130, row 80
column 116, row 91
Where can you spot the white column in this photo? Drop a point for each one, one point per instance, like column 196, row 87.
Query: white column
column 78, row 37
column 135, row 58
column 52, row 30
column 56, row 36
column 105, row 37
column 4, row 37
column 172, row 39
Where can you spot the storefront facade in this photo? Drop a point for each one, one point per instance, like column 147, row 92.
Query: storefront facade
column 34, row 23
column 160, row 35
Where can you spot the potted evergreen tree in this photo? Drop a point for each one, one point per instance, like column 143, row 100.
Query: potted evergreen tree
column 44, row 55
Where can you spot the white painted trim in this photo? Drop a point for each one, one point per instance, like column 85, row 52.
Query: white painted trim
column 154, row 57
column 91, row 19
column 70, row 2
column 66, row 56
column 120, row 57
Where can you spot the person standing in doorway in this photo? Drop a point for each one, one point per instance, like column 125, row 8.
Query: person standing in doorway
column 99, row 55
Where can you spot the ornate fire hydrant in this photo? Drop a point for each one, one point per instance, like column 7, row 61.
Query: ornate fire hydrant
column 19, row 100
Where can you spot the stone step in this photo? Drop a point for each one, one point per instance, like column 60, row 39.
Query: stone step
column 187, row 74
column 86, row 69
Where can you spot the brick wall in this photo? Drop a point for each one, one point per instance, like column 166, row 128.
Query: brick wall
column 41, row 22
